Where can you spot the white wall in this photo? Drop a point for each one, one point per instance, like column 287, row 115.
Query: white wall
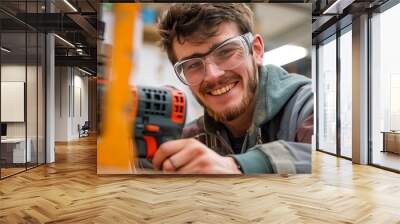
column 71, row 94
column 13, row 73
column 61, row 103
column 33, row 126
column 80, row 100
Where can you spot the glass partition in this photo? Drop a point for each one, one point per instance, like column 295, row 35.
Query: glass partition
column 14, row 151
column 22, row 76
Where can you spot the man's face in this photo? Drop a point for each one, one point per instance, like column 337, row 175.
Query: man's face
column 225, row 94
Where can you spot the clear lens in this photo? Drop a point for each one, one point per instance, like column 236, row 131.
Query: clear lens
column 193, row 70
column 227, row 56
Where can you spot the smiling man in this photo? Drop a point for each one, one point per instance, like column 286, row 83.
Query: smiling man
column 257, row 119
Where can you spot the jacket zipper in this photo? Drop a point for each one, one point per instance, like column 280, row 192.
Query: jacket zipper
column 222, row 140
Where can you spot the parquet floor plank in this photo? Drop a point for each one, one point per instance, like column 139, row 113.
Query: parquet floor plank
column 70, row 191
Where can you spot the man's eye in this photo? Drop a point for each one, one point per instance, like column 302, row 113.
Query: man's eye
column 226, row 52
column 193, row 65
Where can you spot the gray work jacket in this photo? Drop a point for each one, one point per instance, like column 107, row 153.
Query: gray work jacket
column 278, row 140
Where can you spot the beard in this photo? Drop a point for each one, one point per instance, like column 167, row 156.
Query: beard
column 233, row 112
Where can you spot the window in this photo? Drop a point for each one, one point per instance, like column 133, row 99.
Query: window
column 346, row 94
column 385, row 89
column 327, row 96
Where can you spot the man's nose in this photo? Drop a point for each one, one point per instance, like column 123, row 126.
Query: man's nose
column 212, row 71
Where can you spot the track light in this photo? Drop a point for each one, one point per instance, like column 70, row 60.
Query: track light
column 70, row 5
column 337, row 7
column 5, row 50
column 65, row 41
column 84, row 71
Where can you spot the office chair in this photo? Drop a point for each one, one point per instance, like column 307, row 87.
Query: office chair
column 84, row 130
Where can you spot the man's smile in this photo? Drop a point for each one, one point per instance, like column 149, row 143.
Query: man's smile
column 222, row 90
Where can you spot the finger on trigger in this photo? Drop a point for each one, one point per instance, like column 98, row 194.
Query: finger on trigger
column 165, row 151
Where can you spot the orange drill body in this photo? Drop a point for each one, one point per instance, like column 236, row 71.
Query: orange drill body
column 160, row 115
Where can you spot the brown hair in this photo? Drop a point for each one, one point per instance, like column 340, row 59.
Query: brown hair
column 200, row 20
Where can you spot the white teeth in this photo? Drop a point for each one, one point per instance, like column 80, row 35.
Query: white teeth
column 222, row 90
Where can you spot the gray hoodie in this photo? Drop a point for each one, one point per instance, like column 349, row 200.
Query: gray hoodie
column 282, row 122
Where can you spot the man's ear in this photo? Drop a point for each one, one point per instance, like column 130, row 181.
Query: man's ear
column 258, row 49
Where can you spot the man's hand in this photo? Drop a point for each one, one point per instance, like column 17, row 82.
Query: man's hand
column 191, row 156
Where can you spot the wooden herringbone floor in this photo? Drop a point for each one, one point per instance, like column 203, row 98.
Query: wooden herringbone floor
column 69, row 191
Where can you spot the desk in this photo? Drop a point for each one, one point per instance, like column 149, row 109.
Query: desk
column 13, row 150
column 391, row 141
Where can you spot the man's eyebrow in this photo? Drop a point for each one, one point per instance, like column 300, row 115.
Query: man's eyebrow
column 198, row 55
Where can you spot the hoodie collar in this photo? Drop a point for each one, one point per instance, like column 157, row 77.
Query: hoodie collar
column 275, row 88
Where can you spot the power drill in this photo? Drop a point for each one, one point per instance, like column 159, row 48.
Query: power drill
column 160, row 117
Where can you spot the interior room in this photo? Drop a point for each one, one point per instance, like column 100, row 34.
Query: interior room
column 55, row 77
column 29, row 103
column 384, row 89
column 23, row 95
column 334, row 62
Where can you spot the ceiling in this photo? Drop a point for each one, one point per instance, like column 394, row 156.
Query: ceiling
column 332, row 15
column 277, row 28
column 77, row 27
column 279, row 24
